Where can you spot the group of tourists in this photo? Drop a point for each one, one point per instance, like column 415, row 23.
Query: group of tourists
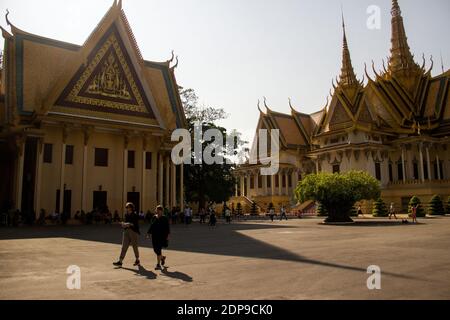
column 158, row 232
column 283, row 214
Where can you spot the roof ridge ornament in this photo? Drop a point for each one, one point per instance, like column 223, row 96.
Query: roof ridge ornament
column 259, row 107
column 172, row 58
column 6, row 18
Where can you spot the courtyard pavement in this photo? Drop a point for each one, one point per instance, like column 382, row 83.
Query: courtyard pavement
column 295, row 259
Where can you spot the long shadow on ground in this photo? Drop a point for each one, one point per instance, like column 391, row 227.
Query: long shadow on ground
column 195, row 238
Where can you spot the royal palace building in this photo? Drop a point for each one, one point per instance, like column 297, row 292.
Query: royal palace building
column 84, row 127
column 396, row 127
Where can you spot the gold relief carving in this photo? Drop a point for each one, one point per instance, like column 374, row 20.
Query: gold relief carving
column 110, row 82
column 108, row 75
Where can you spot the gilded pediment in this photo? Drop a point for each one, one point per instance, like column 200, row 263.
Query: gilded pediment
column 107, row 82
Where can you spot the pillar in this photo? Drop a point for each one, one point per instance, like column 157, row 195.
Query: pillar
column 160, row 179
column 236, row 190
column 403, row 164
column 84, row 206
column 173, row 185
column 247, row 193
column 280, row 184
column 62, row 172
column 427, row 150
column 167, row 191
column 438, row 166
column 19, row 174
column 39, row 163
column 256, row 184
column 264, row 184
column 242, row 181
column 272, row 184
column 286, row 178
column 182, row 186
column 143, row 176
column 421, row 173
column 125, row 173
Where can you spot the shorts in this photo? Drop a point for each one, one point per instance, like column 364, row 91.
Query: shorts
column 158, row 245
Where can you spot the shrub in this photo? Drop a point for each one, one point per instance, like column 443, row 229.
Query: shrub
column 436, row 206
column 413, row 202
column 379, row 208
column 253, row 209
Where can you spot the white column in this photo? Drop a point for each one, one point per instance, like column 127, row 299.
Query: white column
column 84, row 178
column 182, row 187
column 403, row 164
column 438, row 167
column 242, row 181
column 256, row 184
column 248, row 186
column 160, row 179
column 280, row 183
column 422, row 175
column 286, row 178
column 62, row 177
column 125, row 174
column 264, row 184
column 236, row 190
column 427, row 150
column 37, row 188
column 19, row 174
column 143, row 189
column 167, row 167
column 173, row 197
column 272, row 184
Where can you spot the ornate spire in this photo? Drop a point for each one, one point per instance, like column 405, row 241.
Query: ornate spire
column 347, row 77
column 401, row 58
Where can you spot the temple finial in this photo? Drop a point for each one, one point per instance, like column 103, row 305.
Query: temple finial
column 347, row 77
column 401, row 58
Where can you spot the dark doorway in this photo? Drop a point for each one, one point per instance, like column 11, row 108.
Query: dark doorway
column 67, row 205
column 100, row 200
column 134, row 198
column 28, row 182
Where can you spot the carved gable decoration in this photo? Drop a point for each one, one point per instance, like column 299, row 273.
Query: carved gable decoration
column 365, row 114
column 339, row 115
column 108, row 81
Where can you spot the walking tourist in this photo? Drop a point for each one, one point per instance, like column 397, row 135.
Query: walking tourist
column 283, row 213
column 159, row 231
column 392, row 211
column 130, row 234
column 272, row 213
column 414, row 213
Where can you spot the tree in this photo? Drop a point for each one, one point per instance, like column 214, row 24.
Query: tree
column 436, row 206
column 207, row 182
column 338, row 193
column 253, row 209
column 413, row 202
column 379, row 208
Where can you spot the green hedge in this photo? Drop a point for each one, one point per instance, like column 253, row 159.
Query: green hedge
column 436, row 206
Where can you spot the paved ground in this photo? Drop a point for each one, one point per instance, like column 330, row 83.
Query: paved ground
column 298, row 259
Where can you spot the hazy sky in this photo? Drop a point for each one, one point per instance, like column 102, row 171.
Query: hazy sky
column 234, row 52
